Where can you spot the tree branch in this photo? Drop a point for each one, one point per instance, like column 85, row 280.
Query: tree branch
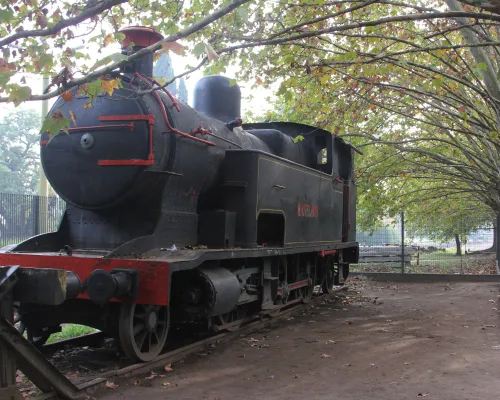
column 197, row 26
column 85, row 14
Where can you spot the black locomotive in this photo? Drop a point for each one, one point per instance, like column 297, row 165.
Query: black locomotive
column 179, row 214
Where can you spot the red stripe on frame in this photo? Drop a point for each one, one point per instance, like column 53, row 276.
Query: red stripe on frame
column 153, row 275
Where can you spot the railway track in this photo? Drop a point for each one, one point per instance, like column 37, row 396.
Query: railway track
column 175, row 355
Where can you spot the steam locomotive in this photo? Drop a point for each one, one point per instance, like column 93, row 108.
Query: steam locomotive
column 178, row 214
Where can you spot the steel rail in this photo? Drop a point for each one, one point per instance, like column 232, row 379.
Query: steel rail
column 182, row 352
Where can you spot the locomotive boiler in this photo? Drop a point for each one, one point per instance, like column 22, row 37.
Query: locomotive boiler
column 178, row 214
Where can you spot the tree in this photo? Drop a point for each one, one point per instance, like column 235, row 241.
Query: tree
column 35, row 39
column 417, row 91
column 165, row 72
column 183, row 93
column 19, row 155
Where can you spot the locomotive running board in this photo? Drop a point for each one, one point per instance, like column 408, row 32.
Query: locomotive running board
column 18, row 352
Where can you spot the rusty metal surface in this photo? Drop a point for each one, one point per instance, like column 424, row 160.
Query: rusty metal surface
column 41, row 286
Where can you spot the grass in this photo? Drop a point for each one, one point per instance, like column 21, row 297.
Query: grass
column 70, row 331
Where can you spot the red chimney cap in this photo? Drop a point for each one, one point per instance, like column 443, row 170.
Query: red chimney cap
column 141, row 36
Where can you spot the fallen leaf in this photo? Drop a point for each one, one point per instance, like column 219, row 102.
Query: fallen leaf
column 168, row 368
column 325, row 355
column 332, row 341
column 169, row 385
column 151, row 376
column 110, row 385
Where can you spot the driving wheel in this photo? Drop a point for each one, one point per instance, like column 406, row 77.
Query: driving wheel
column 143, row 330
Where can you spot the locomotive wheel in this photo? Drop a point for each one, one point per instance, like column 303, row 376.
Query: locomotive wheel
column 227, row 318
column 328, row 276
column 37, row 341
column 143, row 330
column 306, row 292
column 345, row 274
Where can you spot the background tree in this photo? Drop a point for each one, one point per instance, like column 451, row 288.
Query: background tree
column 19, row 152
column 182, row 92
column 164, row 70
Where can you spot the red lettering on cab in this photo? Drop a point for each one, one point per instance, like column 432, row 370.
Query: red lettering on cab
column 307, row 210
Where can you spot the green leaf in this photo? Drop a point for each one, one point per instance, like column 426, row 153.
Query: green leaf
column 54, row 126
column 243, row 13
column 5, row 76
column 202, row 48
column 118, row 57
column 119, row 36
column 437, row 83
column 93, row 89
column 18, row 94
column 482, row 66
column 113, row 58
column 6, row 15
column 298, row 139
column 46, row 60
column 199, row 49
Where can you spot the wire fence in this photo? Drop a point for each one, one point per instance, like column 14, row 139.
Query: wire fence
column 393, row 248
column 399, row 248
column 24, row 216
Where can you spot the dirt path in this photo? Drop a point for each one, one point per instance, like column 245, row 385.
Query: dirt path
column 390, row 342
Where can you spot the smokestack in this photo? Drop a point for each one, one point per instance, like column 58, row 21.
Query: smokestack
column 139, row 37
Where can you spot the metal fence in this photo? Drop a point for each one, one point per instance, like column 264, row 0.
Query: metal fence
column 24, row 216
column 393, row 248
column 398, row 248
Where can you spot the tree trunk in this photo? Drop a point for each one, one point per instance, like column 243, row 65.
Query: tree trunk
column 493, row 247
column 459, row 247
